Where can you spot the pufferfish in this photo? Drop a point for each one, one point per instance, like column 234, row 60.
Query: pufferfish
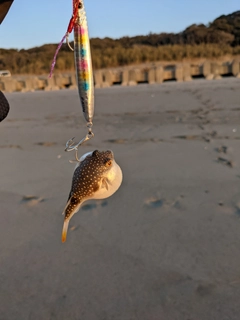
column 97, row 176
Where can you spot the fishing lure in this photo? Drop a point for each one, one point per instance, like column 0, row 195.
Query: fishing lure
column 83, row 66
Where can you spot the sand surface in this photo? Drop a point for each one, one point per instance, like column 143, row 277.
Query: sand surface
column 166, row 246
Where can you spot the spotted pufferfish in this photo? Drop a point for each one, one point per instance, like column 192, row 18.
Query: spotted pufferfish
column 97, row 176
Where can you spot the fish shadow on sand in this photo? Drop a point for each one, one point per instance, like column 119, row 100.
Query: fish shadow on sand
column 91, row 205
column 94, row 204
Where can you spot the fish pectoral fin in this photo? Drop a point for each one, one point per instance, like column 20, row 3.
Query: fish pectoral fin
column 105, row 183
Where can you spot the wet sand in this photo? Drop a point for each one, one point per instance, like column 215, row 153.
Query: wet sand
column 165, row 246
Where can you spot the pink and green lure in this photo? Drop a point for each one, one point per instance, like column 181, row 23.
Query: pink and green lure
column 83, row 61
column 83, row 64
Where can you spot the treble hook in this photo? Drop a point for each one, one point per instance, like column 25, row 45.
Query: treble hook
column 70, row 146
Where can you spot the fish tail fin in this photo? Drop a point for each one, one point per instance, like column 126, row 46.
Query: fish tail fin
column 64, row 230
column 71, row 208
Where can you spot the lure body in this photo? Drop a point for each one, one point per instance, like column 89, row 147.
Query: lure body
column 97, row 176
column 83, row 63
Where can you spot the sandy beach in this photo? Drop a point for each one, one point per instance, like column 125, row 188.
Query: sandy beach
column 165, row 246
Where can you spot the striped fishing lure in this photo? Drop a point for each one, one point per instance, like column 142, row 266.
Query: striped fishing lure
column 83, row 60
column 83, row 63
column 83, row 66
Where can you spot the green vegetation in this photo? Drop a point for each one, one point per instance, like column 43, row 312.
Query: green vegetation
column 219, row 38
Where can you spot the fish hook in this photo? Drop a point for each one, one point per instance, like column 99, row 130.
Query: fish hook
column 70, row 146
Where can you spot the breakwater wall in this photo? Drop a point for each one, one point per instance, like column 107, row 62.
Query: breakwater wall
column 125, row 76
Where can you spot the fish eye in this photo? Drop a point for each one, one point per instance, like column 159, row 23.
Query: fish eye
column 109, row 163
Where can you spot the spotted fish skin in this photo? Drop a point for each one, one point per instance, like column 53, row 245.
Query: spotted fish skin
column 96, row 177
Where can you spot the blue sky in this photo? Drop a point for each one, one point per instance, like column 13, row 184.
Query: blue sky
column 31, row 23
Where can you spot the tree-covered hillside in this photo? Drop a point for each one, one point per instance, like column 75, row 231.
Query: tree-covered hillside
column 221, row 37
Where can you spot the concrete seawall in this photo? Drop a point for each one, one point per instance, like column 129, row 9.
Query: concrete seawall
column 126, row 76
